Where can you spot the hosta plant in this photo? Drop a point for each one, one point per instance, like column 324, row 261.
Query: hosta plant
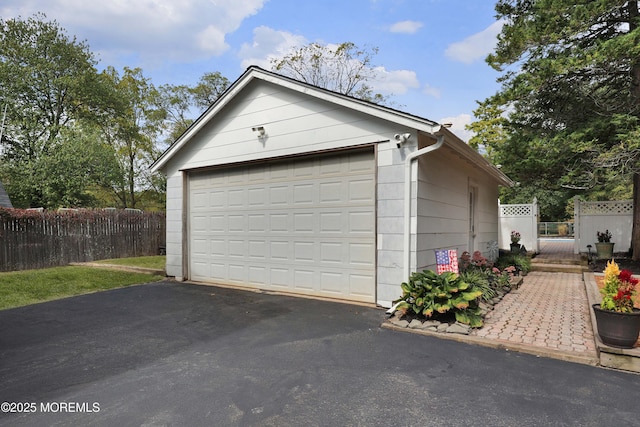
column 480, row 282
column 435, row 295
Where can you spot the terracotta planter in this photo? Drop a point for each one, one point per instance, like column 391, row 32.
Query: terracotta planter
column 617, row 329
column 605, row 250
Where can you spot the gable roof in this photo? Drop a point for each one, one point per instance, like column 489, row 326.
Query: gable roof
column 385, row 113
column 5, row 202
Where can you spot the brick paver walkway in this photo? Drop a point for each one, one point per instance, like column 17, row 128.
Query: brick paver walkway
column 554, row 249
column 549, row 311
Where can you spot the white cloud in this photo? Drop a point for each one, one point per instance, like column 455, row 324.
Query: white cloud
column 431, row 91
column 458, row 124
column 406, row 27
column 152, row 30
column 268, row 44
column 475, row 47
column 211, row 40
column 395, row 82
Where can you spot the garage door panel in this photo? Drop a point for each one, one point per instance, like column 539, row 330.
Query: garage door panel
column 332, row 222
column 359, row 162
column 200, row 269
column 218, row 271
column 279, row 251
column 304, row 222
column 218, row 247
column 304, row 194
column 279, row 222
column 360, row 191
column 361, row 222
column 237, row 223
column 236, row 198
column 279, row 195
column 304, row 252
column 331, row 192
column 280, row 277
column 332, row 253
column 258, row 222
column 217, row 199
column 304, row 169
column 258, row 249
column 360, row 284
column 361, row 254
column 305, row 226
column 332, row 282
column 257, row 199
column 236, row 248
column 237, row 273
column 257, row 274
column 303, row 279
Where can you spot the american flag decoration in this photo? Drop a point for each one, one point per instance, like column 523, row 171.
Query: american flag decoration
column 447, row 260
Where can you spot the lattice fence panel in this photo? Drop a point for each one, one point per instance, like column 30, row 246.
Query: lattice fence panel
column 516, row 210
column 622, row 207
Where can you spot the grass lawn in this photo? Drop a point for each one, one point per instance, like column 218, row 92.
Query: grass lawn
column 157, row 262
column 20, row 288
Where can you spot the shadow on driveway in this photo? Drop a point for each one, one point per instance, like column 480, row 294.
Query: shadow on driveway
column 181, row 354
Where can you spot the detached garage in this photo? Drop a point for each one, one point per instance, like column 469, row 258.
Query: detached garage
column 288, row 187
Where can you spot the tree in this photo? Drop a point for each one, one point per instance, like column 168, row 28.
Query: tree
column 345, row 68
column 44, row 79
column 50, row 85
column 571, row 84
column 133, row 132
column 181, row 102
column 76, row 137
column 210, row 87
column 489, row 131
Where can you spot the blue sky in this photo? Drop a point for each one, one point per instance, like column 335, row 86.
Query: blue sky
column 430, row 59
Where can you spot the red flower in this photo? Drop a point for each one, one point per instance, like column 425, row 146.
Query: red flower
column 625, row 276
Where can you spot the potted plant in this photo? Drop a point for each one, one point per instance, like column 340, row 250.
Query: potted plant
column 617, row 320
column 604, row 247
column 515, row 242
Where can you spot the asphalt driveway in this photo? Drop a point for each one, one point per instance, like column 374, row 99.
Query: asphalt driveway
column 180, row 354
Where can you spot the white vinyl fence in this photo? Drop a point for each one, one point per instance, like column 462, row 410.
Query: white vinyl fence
column 522, row 218
column 591, row 217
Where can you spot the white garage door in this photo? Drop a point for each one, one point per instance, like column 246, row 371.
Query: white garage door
column 303, row 226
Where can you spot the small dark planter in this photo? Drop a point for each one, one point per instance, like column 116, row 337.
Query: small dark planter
column 604, row 250
column 617, row 329
column 516, row 248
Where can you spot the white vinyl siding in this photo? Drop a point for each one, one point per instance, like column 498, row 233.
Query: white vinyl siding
column 443, row 207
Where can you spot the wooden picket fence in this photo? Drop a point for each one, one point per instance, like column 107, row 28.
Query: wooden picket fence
column 31, row 239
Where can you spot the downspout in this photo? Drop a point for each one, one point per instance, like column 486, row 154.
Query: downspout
column 407, row 198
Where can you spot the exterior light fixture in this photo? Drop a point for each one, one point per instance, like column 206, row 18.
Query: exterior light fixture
column 260, row 130
column 401, row 138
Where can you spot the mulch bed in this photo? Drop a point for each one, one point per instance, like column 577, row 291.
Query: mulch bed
column 625, row 263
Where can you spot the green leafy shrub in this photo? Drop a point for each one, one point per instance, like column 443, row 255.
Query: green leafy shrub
column 497, row 275
column 436, row 296
column 522, row 263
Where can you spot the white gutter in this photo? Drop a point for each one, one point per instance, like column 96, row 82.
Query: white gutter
column 407, row 198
